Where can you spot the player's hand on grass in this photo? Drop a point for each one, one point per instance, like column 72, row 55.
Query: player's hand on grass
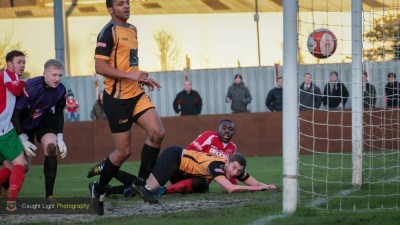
column 28, row 146
column 268, row 187
column 61, row 145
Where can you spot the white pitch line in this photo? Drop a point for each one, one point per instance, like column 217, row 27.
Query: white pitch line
column 267, row 219
column 320, row 201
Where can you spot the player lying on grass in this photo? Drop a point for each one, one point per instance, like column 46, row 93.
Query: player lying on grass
column 214, row 142
column 175, row 160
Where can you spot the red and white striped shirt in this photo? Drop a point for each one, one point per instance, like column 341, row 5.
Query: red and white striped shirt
column 10, row 87
column 210, row 142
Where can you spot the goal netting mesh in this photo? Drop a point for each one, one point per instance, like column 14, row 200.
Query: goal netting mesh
column 325, row 131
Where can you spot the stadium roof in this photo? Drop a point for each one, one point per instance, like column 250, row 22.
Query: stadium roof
column 44, row 8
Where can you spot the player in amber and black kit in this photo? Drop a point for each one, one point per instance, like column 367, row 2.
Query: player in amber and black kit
column 124, row 100
column 200, row 164
column 217, row 143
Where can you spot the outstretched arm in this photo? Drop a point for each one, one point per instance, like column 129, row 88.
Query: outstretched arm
column 251, row 181
column 231, row 188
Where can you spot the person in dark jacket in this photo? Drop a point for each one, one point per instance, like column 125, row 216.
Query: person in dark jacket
column 97, row 112
column 369, row 92
column 188, row 101
column 335, row 93
column 310, row 94
column 275, row 98
column 239, row 95
column 392, row 91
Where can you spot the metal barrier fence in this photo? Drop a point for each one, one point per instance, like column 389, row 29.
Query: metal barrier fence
column 212, row 84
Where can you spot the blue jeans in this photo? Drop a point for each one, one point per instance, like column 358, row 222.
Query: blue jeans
column 72, row 116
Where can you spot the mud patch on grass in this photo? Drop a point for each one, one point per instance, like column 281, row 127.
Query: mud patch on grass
column 115, row 208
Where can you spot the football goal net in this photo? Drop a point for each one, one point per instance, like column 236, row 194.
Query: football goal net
column 341, row 138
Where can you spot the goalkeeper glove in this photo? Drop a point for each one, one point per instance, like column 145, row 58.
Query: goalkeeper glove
column 28, row 146
column 61, row 145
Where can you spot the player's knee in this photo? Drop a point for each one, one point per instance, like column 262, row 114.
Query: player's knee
column 123, row 155
column 157, row 135
column 51, row 149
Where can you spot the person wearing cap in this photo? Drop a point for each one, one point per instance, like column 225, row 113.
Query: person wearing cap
column 71, row 109
column 239, row 95
column 392, row 91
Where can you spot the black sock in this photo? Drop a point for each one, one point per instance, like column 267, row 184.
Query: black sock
column 125, row 178
column 6, row 185
column 108, row 172
column 50, row 172
column 118, row 189
column 149, row 158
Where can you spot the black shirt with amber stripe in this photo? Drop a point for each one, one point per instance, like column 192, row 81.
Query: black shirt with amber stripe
column 119, row 46
column 205, row 165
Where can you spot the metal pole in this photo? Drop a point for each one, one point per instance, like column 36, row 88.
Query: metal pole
column 59, row 29
column 256, row 19
column 356, row 91
column 290, row 126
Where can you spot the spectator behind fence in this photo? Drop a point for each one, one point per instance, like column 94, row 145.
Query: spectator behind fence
column 275, row 98
column 392, row 91
column 335, row 93
column 188, row 101
column 369, row 92
column 71, row 108
column 310, row 94
column 97, row 112
column 239, row 95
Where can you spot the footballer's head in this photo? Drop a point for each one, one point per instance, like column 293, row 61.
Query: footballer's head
column 119, row 10
column 15, row 61
column 226, row 130
column 235, row 166
column 53, row 71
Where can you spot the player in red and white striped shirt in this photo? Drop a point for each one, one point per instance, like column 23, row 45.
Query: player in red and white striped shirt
column 217, row 143
column 11, row 149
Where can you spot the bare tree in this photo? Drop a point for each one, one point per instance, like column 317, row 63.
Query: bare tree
column 6, row 45
column 384, row 36
column 169, row 51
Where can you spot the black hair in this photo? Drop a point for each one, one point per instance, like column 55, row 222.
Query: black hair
column 225, row 120
column 109, row 3
column 392, row 75
column 238, row 75
column 14, row 53
column 334, row 72
column 238, row 158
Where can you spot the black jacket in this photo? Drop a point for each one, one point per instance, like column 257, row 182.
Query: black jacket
column 274, row 99
column 369, row 95
column 310, row 98
column 392, row 92
column 188, row 104
column 332, row 98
